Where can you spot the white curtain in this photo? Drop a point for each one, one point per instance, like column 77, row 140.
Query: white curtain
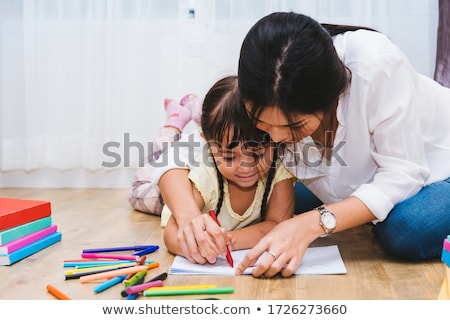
column 82, row 82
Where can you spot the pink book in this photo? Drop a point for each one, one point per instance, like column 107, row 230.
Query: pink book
column 447, row 244
column 26, row 240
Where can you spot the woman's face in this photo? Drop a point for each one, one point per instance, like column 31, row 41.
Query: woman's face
column 274, row 122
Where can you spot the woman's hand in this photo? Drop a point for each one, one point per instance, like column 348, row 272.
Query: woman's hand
column 286, row 245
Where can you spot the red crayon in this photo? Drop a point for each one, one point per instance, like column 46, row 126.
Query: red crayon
column 212, row 214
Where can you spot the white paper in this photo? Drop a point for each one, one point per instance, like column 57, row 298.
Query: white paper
column 317, row 260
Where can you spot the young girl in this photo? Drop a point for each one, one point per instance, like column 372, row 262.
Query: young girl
column 237, row 175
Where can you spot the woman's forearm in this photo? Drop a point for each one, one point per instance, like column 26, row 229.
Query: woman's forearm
column 176, row 190
column 247, row 237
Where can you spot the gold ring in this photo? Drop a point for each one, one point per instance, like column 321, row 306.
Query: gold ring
column 273, row 254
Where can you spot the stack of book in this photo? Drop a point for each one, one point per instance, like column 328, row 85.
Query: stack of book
column 25, row 228
column 444, row 293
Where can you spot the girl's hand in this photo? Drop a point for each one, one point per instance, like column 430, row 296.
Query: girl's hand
column 201, row 240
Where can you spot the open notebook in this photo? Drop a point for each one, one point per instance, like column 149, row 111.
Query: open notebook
column 317, row 260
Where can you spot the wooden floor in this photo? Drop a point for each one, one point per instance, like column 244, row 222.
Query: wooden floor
column 102, row 217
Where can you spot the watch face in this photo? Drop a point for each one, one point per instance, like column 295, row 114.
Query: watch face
column 329, row 220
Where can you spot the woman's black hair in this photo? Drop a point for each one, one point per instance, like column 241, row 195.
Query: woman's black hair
column 335, row 29
column 288, row 60
column 223, row 110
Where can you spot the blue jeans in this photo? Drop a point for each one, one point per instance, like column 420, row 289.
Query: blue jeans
column 415, row 228
column 305, row 200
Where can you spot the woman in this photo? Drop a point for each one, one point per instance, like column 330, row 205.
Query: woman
column 365, row 132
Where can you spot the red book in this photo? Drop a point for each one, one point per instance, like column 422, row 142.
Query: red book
column 15, row 212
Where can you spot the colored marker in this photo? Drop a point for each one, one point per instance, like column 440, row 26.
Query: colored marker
column 83, row 266
column 187, row 287
column 69, row 262
column 146, row 251
column 109, row 256
column 218, row 290
column 212, row 214
column 78, row 275
column 57, row 293
column 128, row 248
column 135, row 280
column 101, row 268
column 161, row 276
column 109, row 283
column 132, row 296
column 141, row 287
column 139, row 263
column 138, row 275
column 94, row 263
column 115, row 273
column 142, row 260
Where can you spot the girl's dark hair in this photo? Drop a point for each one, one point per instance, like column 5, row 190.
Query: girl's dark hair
column 289, row 60
column 223, row 110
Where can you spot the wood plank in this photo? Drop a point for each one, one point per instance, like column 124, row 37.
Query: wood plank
column 91, row 218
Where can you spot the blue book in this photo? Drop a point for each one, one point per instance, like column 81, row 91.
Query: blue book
column 445, row 257
column 6, row 260
column 8, row 235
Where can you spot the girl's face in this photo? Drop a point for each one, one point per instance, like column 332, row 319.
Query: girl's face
column 243, row 164
column 275, row 123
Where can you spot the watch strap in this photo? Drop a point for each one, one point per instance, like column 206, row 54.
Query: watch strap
column 322, row 210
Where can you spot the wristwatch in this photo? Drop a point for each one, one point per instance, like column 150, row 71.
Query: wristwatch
column 327, row 220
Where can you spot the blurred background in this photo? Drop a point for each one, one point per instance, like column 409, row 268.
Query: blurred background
column 82, row 82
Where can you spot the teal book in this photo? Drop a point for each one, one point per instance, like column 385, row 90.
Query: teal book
column 6, row 260
column 9, row 235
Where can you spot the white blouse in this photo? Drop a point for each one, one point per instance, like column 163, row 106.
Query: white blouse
column 393, row 136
